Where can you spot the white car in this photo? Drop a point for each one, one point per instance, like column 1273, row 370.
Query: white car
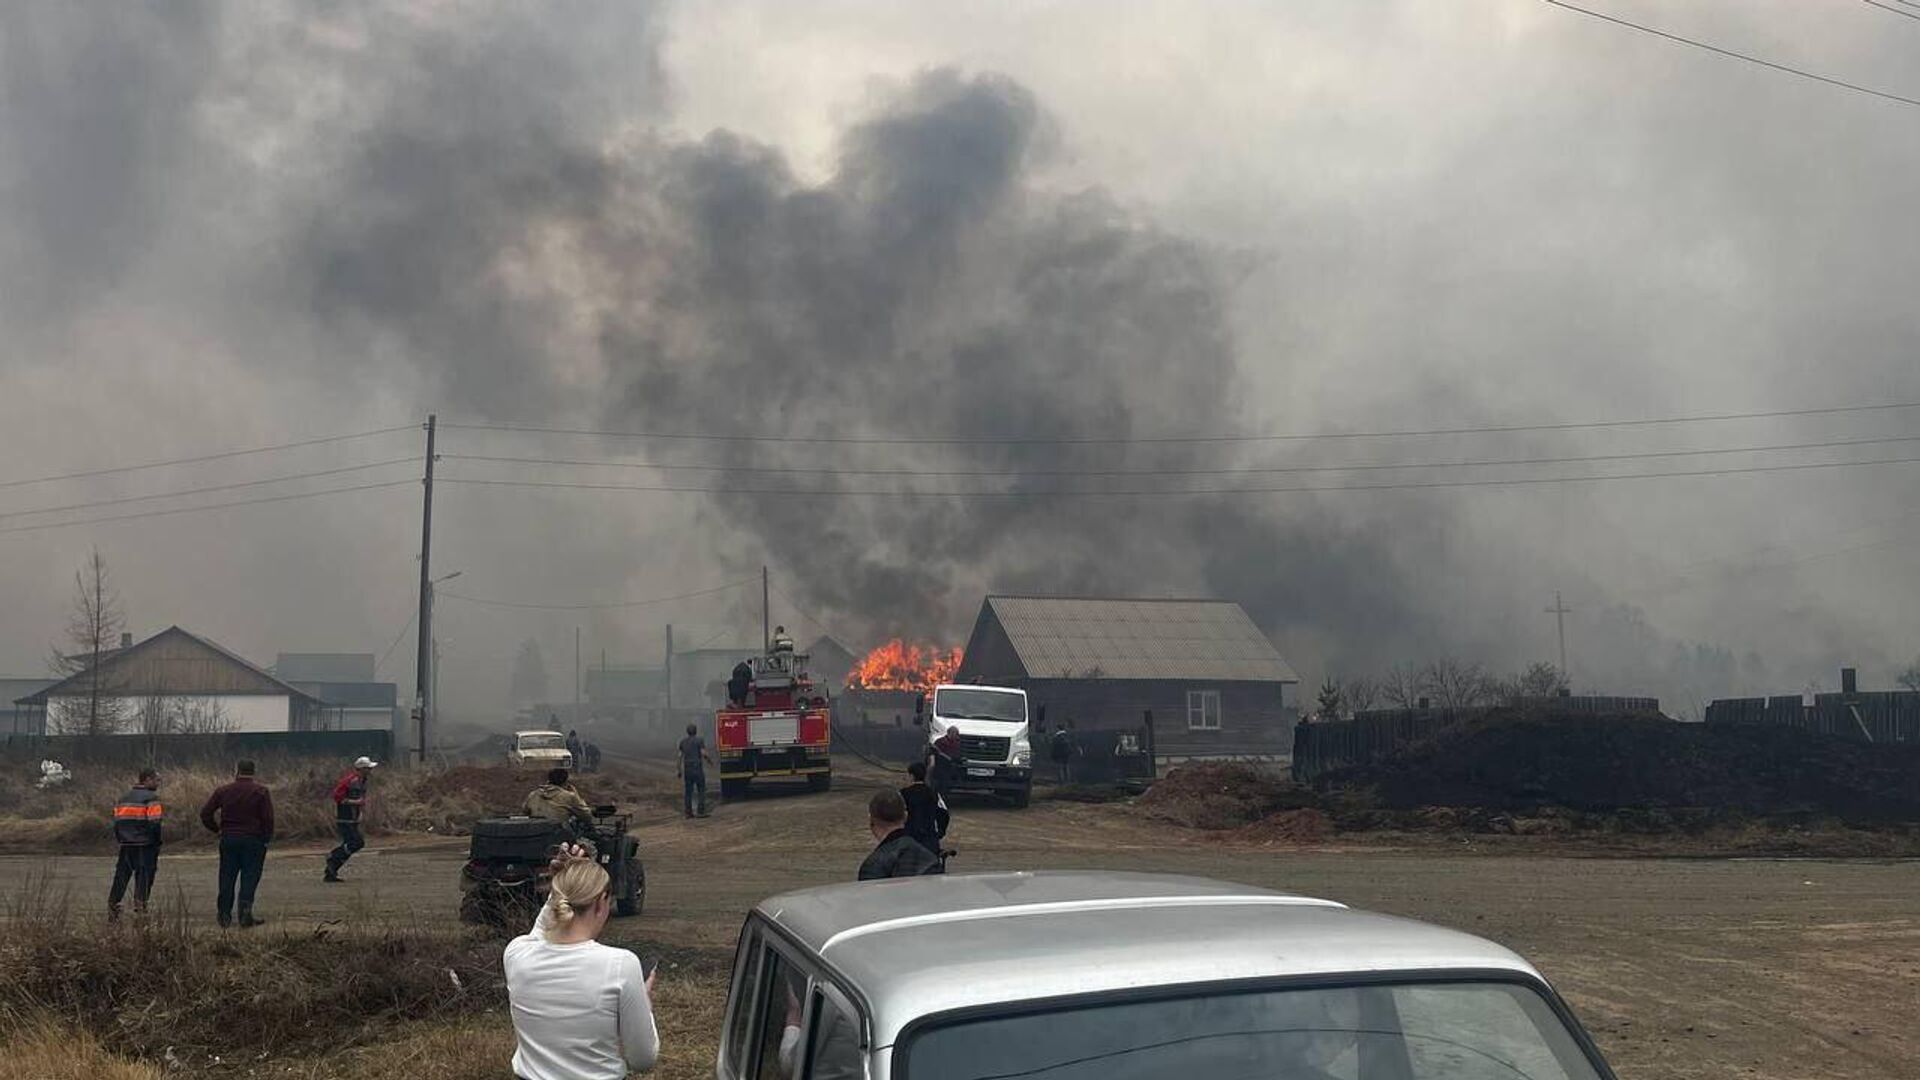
column 540, row 750
column 1113, row 976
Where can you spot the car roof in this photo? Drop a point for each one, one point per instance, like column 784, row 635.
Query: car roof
column 918, row 946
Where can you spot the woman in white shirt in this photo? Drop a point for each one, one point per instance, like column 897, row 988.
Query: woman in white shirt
column 581, row 1010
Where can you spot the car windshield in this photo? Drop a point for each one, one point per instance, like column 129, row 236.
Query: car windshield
column 967, row 704
column 543, row 742
column 1427, row 1031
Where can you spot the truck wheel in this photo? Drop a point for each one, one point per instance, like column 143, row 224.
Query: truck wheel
column 733, row 789
column 1022, row 797
column 820, row 782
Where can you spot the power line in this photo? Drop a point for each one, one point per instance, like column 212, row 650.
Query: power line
column 1247, row 470
column 920, row 440
column 397, row 639
column 1895, row 10
column 208, row 506
column 204, row 457
column 203, row 490
column 1075, row 492
column 1829, row 80
column 597, row 606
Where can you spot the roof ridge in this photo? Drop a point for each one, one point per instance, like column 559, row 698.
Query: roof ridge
column 1115, row 599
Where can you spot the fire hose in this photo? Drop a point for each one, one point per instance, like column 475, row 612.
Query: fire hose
column 856, row 752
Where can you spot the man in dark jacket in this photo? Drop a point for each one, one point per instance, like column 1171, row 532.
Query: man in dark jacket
column 136, row 826
column 927, row 816
column 349, row 811
column 896, row 854
column 242, row 813
column 1060, row 748
column 737, row 685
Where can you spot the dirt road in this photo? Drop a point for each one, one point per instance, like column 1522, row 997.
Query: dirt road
column 1682, row 968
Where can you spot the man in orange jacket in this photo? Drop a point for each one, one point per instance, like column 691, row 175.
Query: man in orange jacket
column 136, row 825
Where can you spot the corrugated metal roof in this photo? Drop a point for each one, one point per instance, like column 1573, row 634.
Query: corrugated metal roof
column 1138, row 639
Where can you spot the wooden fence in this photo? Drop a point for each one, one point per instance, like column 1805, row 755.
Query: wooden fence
column 1877, row 717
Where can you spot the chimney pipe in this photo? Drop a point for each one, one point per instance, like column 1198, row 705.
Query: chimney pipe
column 1849, row 681
column 126, row 640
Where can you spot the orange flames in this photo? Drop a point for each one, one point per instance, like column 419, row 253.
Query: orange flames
column 900, row 666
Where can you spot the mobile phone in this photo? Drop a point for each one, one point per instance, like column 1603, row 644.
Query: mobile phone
column 648, row 965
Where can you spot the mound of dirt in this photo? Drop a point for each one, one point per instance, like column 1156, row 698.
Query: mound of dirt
column 1215, row 796
column 1304, row 826
column 1520, row 763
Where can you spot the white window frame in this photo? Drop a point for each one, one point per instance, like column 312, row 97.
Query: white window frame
column 1199, row 704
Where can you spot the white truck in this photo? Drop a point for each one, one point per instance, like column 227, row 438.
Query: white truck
column 996, row 753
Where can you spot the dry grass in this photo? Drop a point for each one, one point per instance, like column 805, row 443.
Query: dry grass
column 45, row 1050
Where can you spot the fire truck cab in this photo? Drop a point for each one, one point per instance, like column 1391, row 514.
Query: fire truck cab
column 781, row 730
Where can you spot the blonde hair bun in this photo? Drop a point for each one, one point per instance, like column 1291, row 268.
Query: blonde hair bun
column 576, row 886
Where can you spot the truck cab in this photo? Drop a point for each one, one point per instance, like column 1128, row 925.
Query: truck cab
column 995, row 747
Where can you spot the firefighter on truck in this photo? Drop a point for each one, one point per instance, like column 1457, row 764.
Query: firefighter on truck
column 776, row 723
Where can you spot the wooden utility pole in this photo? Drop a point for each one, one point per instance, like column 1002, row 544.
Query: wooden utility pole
column 423, row 660
column 766, row 611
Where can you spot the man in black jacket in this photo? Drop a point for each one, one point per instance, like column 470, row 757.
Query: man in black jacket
column 927, row 816
column 896, row 854
column 136, row 826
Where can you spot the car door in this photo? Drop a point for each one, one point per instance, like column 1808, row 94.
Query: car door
column 785, row 1020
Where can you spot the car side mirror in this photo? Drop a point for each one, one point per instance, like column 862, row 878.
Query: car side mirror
column 920, row 705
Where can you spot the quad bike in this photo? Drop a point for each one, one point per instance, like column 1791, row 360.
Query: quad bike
column 504, row 881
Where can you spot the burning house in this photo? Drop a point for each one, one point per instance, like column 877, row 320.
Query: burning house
column 1214, row 684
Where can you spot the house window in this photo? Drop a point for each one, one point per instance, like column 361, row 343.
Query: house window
column 1203, row 710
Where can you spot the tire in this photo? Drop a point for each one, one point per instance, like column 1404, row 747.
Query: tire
column 633, row 887
column 733, row 789
column 1022, row 797
column 820, row 782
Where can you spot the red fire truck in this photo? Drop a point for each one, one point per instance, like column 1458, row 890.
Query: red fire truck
column 781, row 729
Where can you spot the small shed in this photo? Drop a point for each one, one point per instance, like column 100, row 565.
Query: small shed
column 1217, row 688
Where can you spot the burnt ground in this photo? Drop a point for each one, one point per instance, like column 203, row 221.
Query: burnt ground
column 1683, row 967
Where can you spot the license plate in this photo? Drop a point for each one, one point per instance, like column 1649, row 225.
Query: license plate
column 979, row 772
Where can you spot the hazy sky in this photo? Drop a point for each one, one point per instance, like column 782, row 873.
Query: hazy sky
column 235, row 225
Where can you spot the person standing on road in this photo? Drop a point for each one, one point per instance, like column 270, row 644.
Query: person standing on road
column 581, row 1010
column 1060, row 748
column 943, row 761
column 242, row 813
column 927, row 816
column 136, row 826
column 694, row 757
column 350, row 809
column 895, row 854
column 575, row 747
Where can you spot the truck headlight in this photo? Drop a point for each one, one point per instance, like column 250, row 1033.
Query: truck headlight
column 1023, row 757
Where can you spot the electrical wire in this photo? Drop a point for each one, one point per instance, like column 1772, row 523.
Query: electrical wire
column 1232, row 471
column 209, row 506
column 443, row 594
column 397, row 638
column 1731, row 54
column 203, row 490
column 204, row 457
column 1886, row 7
column 1163, row 492
column 926, row 440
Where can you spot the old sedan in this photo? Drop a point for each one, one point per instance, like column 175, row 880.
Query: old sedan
column 1113, row 976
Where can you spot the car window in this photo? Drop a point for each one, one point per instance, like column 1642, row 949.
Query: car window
column 1472, row 1031
column 833, row 1045
column 740, row 1025
column 1468, row 1031
column 782, row 993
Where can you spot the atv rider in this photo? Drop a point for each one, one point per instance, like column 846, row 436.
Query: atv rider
column 557, row 801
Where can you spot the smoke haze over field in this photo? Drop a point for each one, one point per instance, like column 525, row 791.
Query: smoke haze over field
column 237, row 225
